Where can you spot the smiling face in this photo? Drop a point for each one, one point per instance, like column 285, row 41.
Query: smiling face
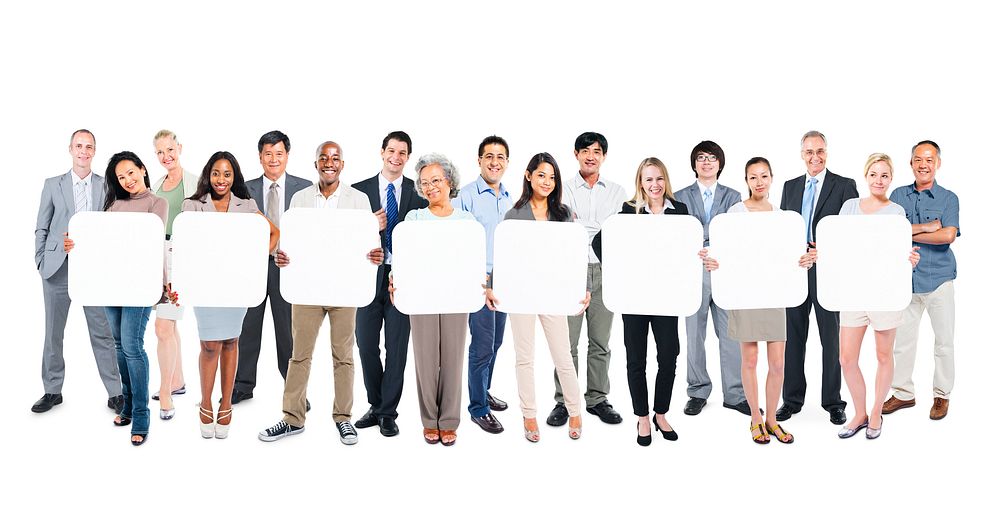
column 814, row 155
column 274, row 158
column 759, row 180
column 542, row 180
column 653, row 181
column 879, row 177
column 329, row 163
column 132, row 178
column 434, row 185
column 925, row 163
column 81, row 148
column 493, row 163
column 168, row 152
column 221, row 178
column 394, row 158
column 590, row 158
column 706, row 165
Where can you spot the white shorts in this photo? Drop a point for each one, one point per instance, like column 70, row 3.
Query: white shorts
column 880, row 321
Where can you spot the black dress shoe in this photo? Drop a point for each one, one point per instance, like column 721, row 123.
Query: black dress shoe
column 46, row 402
column 367, row 420
column 116, row 403
column 786, row 412
column 694, row 406
column 240, row 395
column 837, row 416
column 742, row 407
column 558, row 416
column 387, row 426
column 489, row 423
column 606, row 412
column 496, row 405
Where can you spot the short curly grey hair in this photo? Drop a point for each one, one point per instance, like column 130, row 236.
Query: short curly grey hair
column 450, row 172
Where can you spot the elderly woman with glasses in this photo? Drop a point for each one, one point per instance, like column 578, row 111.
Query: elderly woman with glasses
column 438, row 339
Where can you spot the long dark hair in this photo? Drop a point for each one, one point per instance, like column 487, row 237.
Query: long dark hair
column 115, row 191
column 239, row 186
column 557, row 211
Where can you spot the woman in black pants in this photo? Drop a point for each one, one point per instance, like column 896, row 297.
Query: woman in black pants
column 653, row 195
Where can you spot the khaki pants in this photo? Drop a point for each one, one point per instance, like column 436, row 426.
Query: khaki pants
column 306, row 321
column 940, row 306
column 556, row 330
column 439, row 359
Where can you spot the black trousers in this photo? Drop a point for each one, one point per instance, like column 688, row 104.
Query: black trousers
column 667, row 348
column 281, row 315
column 384, row 384
column 797, row 324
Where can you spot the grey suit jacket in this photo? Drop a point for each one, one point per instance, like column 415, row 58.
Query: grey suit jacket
column 292, row 185
column 725, row 198
column 54, row 211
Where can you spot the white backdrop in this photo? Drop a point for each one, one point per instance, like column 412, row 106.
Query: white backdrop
column 655, row 79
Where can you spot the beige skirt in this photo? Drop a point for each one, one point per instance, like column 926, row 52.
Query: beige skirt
column 757, row 325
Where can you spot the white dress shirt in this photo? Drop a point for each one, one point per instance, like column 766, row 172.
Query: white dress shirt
column 85, row 181
column 266, row 182
column 593, row 205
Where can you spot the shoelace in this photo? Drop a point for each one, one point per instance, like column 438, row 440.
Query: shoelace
column 278, row 428
column 346, row 429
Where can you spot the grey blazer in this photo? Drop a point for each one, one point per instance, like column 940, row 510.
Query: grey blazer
column 292, row 185
column 54, row 211
column 725, row 198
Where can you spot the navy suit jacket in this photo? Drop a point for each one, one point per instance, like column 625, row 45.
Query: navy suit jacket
column 408, row 201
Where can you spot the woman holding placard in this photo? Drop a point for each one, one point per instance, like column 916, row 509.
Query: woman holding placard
column 878, row 174
column 438, row 339
column 541, row 200
column 653, row 195
column 760, row 325
column 128, row 191
column 173, row 187
column 221, row 188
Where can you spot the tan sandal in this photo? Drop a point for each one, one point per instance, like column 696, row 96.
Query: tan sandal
column 778, row 432
column 577, row 431
column 531, row 434
column 448, row 434
column 432, row 436
column 761, row 436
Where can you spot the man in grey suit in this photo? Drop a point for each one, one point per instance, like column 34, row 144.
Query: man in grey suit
column 705, row 199
column 273, row 196
column 63, row 196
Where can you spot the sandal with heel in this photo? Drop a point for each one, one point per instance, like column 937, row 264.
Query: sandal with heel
column 531, row 435
column 222, row 431
column 207, row 429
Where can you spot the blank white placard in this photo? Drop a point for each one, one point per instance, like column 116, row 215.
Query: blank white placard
column 117, row 259
column 220, row 258
column 540, row 267
column 758, row 254
column 650, row 264
column 863, row 262
column 439, row 266
column 327, row 250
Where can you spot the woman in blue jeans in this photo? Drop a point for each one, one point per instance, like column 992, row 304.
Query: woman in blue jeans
column 128, row 191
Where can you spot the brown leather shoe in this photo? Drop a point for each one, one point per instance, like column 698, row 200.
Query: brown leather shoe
column 894, row 404
column 940, row 408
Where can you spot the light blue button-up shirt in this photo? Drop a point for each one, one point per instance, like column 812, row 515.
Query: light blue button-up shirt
column 487, row 206
column 937, row 262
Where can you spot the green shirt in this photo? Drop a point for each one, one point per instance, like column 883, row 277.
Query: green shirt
column 174, row 199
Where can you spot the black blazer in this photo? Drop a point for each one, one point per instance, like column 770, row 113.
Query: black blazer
column 836, row 190
column 408, row 201
column 628, row 208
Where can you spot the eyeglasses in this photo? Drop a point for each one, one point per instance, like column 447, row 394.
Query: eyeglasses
column 433, row 183
column 489, row 157
column 810, row 153
column 702, row 158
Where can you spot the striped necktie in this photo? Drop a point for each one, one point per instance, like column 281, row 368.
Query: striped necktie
column 80, row 196
column 391, row 214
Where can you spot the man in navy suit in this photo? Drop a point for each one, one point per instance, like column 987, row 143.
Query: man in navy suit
column 815, row 194
column 391, row 196
column 272, row 196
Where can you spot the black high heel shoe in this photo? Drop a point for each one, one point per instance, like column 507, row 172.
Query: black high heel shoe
column 667, row 434
column 643, row 440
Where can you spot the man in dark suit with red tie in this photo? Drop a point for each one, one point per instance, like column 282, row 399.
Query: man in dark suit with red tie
column 815, row 194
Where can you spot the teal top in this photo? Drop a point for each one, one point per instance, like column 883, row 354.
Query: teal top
column 425, row 214
column 174, row 199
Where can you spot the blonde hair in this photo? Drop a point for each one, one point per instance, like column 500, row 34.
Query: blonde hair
column 875, row 158
column 640, row 199
column 165, row 133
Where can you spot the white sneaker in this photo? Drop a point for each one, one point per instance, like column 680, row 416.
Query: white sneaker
column 348, row 436
column 279, row 430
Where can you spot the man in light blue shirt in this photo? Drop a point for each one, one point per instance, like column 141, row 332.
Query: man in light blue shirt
column 487, row 200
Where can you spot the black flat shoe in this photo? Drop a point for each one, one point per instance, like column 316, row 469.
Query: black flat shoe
column 605, row 412
column 785, row 412
column 496, row 405
column 694, row 406
column 47, row 402
column 558, row 417
column 837, row 416
column 140, row 442
column 116, row 403
column 667, row 434
column 643, row 440
column 367, row 420
column 121, row 421
column 388, row 427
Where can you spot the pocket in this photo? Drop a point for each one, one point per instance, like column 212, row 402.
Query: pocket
column 930, row 215
column 51, row 246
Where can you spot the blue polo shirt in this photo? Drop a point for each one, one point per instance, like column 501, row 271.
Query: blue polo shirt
column 487, row 206
column 937, row 262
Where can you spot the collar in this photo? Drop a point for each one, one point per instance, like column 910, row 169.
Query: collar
column 932, row 192
column 578, row 181
column 317, row 191
column 702, row 188
column 819, row 177
column 280, row 181
column 78, row 179
column 383, row 183
column 483, row 186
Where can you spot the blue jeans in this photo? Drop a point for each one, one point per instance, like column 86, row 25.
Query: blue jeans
column 487, row 334
column 128, row 328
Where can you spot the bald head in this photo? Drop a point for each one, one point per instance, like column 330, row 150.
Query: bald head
column 329, row 163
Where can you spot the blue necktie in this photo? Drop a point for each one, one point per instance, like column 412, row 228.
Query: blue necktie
column 807, row 207
column 708, row 204
column 391, row 214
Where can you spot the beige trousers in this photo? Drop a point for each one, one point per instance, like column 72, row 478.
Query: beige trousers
column 556, row 330
column 306, row 321
column 439, row 360
column 940, row 306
